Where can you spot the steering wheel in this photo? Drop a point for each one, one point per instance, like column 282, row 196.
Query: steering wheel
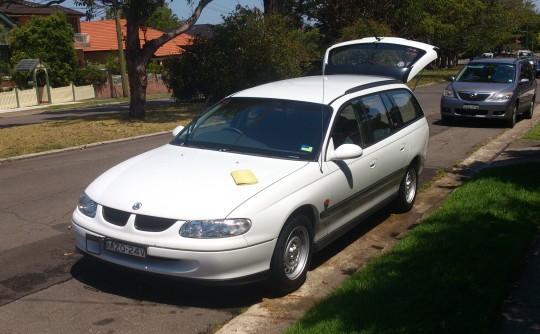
column 236, row 130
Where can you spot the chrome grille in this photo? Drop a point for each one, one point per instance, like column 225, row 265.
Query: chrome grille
column 472, row 96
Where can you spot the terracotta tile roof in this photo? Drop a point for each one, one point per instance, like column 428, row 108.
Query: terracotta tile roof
column 103, row 37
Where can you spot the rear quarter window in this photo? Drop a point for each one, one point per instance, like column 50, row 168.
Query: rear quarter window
column 406, row 104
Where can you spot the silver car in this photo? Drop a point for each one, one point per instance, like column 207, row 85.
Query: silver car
column 499, row 88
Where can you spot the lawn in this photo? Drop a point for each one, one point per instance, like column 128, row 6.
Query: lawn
column 451, row 273
column 34, row 138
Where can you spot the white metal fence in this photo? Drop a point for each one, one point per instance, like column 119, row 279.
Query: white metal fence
column 29, row 97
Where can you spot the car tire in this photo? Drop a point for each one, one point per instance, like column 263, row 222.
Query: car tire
column 292, row 255
column 407, row 190
column 529, row 113
column 512, row 121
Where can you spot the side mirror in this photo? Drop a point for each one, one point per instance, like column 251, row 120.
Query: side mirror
column 451, row 78
column 524, row 80
column 346, row 151
column 177, row 130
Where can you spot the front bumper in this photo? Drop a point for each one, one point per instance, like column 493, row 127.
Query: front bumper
column 209, row 266
column 454, row 107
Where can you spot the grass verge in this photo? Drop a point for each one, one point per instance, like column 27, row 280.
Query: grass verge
column 34, row 138
column 451, row 273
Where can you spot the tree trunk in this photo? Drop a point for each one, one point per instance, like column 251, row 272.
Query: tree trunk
column 138, row 56
column 137, row 88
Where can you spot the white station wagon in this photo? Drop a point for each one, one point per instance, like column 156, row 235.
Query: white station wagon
column 257, row 183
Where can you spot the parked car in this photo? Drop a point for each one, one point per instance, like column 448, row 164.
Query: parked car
column 500, row 88
column 265, row 177
column 537, row 67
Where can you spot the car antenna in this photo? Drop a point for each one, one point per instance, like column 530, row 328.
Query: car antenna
column 366, row 22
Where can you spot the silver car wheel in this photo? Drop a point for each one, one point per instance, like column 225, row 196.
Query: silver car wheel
column 410, row 186
column 296, row 252
column 513, row 117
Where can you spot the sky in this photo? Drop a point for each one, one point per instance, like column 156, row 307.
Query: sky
column 212, row 13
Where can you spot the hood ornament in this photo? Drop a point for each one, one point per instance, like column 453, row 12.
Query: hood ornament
column 137, row 206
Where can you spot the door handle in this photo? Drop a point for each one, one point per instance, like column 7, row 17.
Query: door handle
column 373, row 164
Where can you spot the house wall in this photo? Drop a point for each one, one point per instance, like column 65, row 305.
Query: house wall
column 114, row 90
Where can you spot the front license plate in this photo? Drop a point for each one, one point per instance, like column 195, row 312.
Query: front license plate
column 121, row 247
column 471, row 106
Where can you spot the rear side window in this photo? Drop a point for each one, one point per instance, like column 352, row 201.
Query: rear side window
column 405, row 106
column 368, row 119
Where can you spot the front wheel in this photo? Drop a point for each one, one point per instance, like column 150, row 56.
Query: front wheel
column 407, row 190
column 292, row 255
column 513, row 117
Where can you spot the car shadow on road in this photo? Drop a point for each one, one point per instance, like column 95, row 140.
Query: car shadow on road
column 474, row 123
column 103, row 277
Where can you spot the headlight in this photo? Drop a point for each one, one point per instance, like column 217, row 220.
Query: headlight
column 87, row 206
column 448, row 92
column 221, row 228
column 500, row 96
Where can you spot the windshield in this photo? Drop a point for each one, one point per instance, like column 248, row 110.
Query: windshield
column 268, row 127
column 488, row 72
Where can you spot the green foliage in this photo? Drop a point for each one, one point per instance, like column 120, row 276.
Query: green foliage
column 91, row 74
column 362, row 28
column 162, row 18
column 112, row 64
column 51, row 40
column 248, row 49
column 154, row 68
column 5, row 69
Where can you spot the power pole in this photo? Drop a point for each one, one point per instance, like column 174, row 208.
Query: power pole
column 121, row 56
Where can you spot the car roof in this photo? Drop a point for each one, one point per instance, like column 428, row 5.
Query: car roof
column 497, row 60
column 316, row 89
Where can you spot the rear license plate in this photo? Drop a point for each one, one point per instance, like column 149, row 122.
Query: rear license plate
column 471, row 106
column 124, row 248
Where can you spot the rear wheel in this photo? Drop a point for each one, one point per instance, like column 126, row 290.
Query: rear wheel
column 292, row 255
column 407, row 190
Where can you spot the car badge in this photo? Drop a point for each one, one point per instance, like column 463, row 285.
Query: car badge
column 473, row 95
column 137, row 206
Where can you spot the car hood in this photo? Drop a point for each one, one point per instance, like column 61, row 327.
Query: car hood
column 480, row 86
column 187, row 183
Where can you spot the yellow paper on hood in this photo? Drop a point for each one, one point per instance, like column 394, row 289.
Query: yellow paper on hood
column 243, row 177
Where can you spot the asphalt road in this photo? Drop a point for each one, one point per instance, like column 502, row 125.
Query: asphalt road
column 46, row 287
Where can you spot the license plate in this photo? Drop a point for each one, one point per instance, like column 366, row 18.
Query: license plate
column 124, row 248
column 471, row 106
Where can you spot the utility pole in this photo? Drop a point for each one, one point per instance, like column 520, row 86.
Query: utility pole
column 121, row 56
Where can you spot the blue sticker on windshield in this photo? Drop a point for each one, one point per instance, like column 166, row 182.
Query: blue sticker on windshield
column 306, row 148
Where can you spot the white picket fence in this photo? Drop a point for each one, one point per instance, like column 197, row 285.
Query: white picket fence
column 29, row 97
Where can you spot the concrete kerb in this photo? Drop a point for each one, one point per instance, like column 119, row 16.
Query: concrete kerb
column 276, row 315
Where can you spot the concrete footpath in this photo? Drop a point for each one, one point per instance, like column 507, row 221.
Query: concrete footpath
column 521, row 310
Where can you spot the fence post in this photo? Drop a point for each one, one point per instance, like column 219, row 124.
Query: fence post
column 17, row 97
column 73, row 91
